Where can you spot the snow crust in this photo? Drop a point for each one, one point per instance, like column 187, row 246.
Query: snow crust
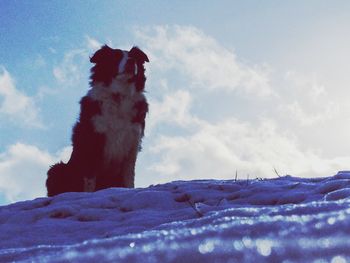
column 287, row 219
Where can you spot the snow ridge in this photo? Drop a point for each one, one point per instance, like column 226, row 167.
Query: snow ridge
column 281, row 219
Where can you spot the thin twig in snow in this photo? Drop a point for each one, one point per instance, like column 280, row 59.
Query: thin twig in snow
column 199, row 213
column 276, row 172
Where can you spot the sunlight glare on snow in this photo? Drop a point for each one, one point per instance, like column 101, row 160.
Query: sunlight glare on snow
column 338, row 259
column 207, row 246
column 264, row 246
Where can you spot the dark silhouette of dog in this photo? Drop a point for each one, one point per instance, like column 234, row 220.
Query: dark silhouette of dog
column 107, row 136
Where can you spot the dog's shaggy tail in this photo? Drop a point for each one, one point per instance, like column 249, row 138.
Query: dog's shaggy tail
column 55, row 179
column 60, row 180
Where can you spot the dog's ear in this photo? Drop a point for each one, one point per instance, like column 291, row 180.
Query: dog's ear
column 138, row 55
column 101, row 55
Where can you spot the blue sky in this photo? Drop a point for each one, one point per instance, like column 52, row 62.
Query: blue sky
column 244, row 86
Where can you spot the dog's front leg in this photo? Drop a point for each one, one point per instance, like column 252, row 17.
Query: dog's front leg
column 89, row 184
column 128, row 168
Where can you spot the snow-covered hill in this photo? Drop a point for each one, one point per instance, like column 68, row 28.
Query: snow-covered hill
column 285, row 219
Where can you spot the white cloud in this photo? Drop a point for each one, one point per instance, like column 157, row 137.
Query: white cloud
column 173, row 108
column 15, row 105
column 305, row 100
column 206, row 63
column 267, row 110
column 23, row 170
column 298, row 112
column 218, row 150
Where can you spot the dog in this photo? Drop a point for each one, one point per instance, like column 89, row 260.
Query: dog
column 107, row 136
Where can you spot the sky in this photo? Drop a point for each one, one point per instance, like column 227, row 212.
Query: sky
column 235, row 87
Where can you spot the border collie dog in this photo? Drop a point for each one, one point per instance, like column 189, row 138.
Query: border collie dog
column 108, row 133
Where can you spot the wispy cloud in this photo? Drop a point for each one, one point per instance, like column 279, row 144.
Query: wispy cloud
column 206, row 63
column 69, row 71
column 305, row 100
column 75, row 61
column 15, row 105
column 92, row 43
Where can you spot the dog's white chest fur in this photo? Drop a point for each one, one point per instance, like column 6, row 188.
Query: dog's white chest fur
column 117, row 112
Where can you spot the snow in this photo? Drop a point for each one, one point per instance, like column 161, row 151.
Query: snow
column 286, row 219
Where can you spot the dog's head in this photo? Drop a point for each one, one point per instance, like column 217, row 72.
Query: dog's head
column 110, row 63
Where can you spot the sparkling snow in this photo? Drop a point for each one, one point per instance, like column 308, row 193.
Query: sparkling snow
column 286, row 219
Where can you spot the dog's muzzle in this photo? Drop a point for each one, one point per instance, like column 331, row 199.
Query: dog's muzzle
column 128, row 65
column 131, row 67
